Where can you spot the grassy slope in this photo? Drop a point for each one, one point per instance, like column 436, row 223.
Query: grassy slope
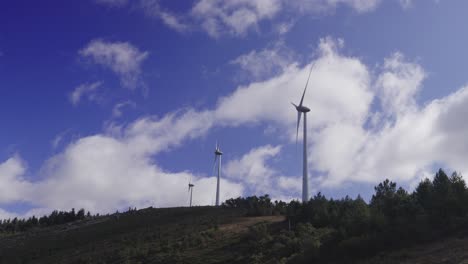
column 450, row 250
column 178, row 235
column 183, row 235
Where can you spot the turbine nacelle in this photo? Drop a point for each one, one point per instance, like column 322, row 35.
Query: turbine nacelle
column 301, row 108
column 218, row 151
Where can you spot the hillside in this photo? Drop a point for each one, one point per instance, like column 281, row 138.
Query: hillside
column 429, row 225
column 450, row 250
column 183, row 235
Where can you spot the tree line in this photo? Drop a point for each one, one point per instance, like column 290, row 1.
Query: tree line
column 55, row 218
column 336, row 230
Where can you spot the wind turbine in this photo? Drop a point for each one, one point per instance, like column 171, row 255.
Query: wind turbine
column 218, row 155
column 301, row 109
column 190, row 189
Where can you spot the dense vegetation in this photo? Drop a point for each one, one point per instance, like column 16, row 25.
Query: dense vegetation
column 337, row 231
column 322, row 230
column 55, row 218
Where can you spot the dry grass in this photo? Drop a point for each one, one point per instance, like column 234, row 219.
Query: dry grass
column 242, row 224
column 447, row 251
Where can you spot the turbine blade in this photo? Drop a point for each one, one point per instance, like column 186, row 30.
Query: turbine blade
column 294, row 105
column 307, row 83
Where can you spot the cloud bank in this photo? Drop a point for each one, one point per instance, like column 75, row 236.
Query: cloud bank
column 239, row 17
column 365, row 125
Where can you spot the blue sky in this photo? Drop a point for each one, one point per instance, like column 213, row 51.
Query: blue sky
column 107, row 104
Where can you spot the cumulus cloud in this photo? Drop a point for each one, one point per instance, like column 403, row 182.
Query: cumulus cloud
column 97, row 169
column 153, row 8
column 236, row 17
column 339, row 90
column 320, row 6
column 12, row 183
column 255, row 171
column 351, row 141
column 252, row 169
column 267, row 62
column 87, row 90
column 119, row 167
column 122, row 58
column 103, row 173
column 398, row 85
column 114, row 170
column 239, row 17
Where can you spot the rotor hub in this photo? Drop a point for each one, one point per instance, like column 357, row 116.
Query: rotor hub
column 303, row 109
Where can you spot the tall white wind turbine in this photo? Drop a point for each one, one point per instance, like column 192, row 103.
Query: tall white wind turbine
column 190, row 189
column 301, row 109
column 218, row 155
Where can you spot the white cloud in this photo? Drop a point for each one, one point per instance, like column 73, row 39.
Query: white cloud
column 252, row 169
column 59, row 139
column 350, row 141
column 321, row 6
column 153, row 8
column 103, row 173
column 12, row 184
column 235, row 17
column 113, row 3
column 339, row 96
column 239, row 17
column 267, row 62
column 219, row 17
column 290, row 185
column 284, row 27
column 122, row 58
column 339, row 91
column 117, row 110
column 118, row 167
column 114, row 170
column 398, row 84
column 86, row 89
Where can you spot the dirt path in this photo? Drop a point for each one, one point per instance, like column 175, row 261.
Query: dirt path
column 242, row 224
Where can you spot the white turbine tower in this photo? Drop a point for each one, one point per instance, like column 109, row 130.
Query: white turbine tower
column 301, row 109
column 218, row 155
column 190, row 189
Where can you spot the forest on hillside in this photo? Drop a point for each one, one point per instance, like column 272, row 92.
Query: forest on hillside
column 328, row 230
column 323, row 230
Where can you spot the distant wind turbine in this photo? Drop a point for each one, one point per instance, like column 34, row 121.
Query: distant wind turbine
column 218, row 155
column 301, row 109
column 190, row 189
